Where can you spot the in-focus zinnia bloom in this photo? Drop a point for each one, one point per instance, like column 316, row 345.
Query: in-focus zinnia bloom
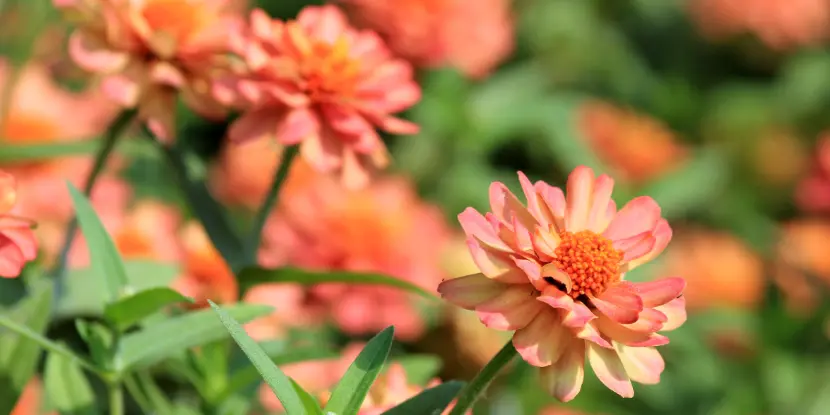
column 320, row 83
column 147, row 51
column 553, row 272
column 18, row 244
column 471, row 35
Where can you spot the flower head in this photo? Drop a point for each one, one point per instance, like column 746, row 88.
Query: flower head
column 18, row 244
column 320, row 83
column 148, row 50
column 237, row 178
column 471, row 35
column 206, row 275
column 553, row 272
column 813, row 192
column 293, row 307
column 382, row 228
column 800, row 262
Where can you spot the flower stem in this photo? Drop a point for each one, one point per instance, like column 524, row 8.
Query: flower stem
column 116, row 394
column 468, row 396
column 114, row 131
column 280, row 174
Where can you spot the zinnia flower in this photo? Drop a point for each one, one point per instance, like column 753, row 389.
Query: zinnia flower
column 149, row 50
column 813, row 192
column 18, row 244
column 801, row 262
column 320, row 83
column 292, row 308
column 553, row 272
column 237, row 177
column 206, row 275
column 471, row 35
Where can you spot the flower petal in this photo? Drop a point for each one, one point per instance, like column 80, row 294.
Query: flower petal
column 636, row 246
column 297, row 125
column 512, row 309
column 11, row 258
column 554, row 205
column 575, row 314
column 93, row 55
column 542, row 341
column 545, row 242
column 563, row 379
column 532, row 272
column 578, row 198
column 475, row 225
column 610, row 370
column 590, row 333
column 619, row 302
column 25, row 239
column 658, row 292
column 470, row 291
column 675, row 312
column 507, row 207
column 121, row 89
column 639, row 215
column 619, row 333
column 600, row 216
column 643, row 364
column 253, row 126
column 495, row 265
column 649, row 321
column 551, row 270
column 662, row 235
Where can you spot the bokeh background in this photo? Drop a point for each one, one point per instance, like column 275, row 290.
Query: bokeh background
column 719, row 109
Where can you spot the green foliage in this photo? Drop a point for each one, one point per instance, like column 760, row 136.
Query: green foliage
column 352, row 389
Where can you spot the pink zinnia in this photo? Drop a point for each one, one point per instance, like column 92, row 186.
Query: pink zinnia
column 147, row 51
column 552, row 271
column 813, row 192
column 18, row 244
column 471, row 35
column 320, row 83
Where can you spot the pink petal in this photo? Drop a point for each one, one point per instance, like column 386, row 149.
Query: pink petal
column 345, row 120
column 93, row 54
column 649, row 321
column 121, row 89
column 675, row 312
column 590, row 333
column 11, row 258
column 545, row 242
column 542, row 341
column 599, row 217
column 532, row 272
column 534, row 205
column 643, row 364
column 580, row 189
column 576, row 314
column 620, row 302
column 662, row 235
column 506, row 206
column 512, row 309
column 475, row 225
column 166, row 74
column 253, row 125
column 393, row 125
column 610, row 370
column 636, row 246
column 658, row 292
column 522, row 237
column 563, row 379
column 554, row 204
column 297, row 125
column 495, row 265
column 550, row 270
column 470, row 291
column 639, row 215
column 354, row 174
column 24, row 238
column 324, row 152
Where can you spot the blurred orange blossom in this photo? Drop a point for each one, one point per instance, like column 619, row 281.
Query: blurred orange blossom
column 30, row 401
column 471, row 35
column 205, row 275
column 148, row 51
column 637, row 147
column 553, row 272
column 318, row 82
column 801, row 261
column 382, row 228
column 237, row 176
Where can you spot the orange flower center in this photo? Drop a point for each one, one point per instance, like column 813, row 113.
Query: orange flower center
column 590, row 260
column 178, row 18
column 328, row 70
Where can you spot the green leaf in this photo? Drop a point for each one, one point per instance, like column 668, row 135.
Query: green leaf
column 557, row 119
column 420, row 369
column 311, row 405
column 98, row 338
column 67, row 387
column 250, row 277
column 19, row 355
column 81, row 295
column 130, row 310
column 350, row 392
column 45, row 343
column 166, row 338
column 432, row 401
column 34, row 152
column 248, row 374
column 104, row 257
column 273, row 376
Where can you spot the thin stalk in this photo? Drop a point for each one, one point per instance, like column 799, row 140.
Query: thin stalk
column 280, row 174
column 116, row 394
column 468, row 396
column 138, row 395
column 114, row 131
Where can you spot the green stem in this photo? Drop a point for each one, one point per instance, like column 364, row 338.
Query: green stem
column 280, row 174
column 114, row 131
column 468, row 396
column 47, row 344
column 138, row 395
column 116, row 394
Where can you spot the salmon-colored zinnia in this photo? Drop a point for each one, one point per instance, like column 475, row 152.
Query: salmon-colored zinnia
column 553, row 271
column 148, row 51
column 18, row 244
column 471, row 35
column 205, row 273
column 320, row 83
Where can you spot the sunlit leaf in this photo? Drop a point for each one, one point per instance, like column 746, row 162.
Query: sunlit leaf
column 130, row 310
column 67, row 387
column 352, row 389
column 432, row 401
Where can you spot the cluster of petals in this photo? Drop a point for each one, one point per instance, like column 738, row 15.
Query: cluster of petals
column 636, row 146
column 383, row 228
column 149, row 52
column 321, row 84
column 18, row 244
column 779, row 24
column 471, row 35
column 813, row 191
column 552, row 271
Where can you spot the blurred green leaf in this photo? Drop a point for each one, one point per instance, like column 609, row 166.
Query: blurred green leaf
column 154, row 394
column 273, row 376
column 19, row 355
column 419, row 369
column 557, row 118
column 45, row 343
column 353, row 387
column 166, row 338
column 311, row 405
column 67, row 387
column 248, row 375
column 104, row 256
column 250, row 277
column 432, row 401
column 80, row 296
column 98, row 338
column 130, row 310
column 11, row 153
